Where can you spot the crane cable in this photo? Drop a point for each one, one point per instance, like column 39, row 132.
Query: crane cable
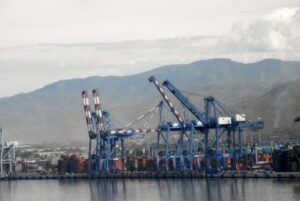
column 142, row 116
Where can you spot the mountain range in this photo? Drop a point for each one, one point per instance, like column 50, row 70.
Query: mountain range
column 269, row 89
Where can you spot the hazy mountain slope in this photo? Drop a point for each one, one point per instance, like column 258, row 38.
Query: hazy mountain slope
column 278, row 108
column 54, row 112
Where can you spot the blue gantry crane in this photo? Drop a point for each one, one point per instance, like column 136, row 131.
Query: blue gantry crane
column 209, row 120
column 180, row 145
column 105, row 141
column 179, row 158
column 217, row 118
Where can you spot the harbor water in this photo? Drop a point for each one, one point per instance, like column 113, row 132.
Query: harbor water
column 150, row 190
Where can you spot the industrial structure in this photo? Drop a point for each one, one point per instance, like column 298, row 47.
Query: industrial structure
column 215, row 120
column 201, row 140
column 104, row 140
column 7, row 156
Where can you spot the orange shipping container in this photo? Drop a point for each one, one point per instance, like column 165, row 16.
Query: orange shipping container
column 119, row 164
column 229, row 161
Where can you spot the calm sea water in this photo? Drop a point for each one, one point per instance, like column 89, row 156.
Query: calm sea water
column 144, row 190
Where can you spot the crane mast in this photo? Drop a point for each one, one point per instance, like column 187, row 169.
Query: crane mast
column 88, row 113
column 98, row 111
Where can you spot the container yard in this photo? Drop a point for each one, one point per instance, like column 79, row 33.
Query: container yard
column 201, row 143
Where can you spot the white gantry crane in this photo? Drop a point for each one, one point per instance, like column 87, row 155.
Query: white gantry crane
column 7, row 155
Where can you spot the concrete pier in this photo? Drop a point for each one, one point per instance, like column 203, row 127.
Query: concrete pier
column 158, row 175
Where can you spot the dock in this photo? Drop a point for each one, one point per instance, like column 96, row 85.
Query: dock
column 160, row 175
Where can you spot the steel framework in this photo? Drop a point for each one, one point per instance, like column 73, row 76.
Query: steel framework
column 105, row 142
column 216, row 120
column 203, row 143
column 7, row 156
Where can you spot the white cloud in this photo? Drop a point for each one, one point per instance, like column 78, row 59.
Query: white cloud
column 277, row 31
column 273, row 34
column 283, row 14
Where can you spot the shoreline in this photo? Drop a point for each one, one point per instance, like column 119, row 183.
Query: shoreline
column 158, row 175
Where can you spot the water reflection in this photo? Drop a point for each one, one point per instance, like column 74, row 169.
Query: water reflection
column 106, row 190
column 164, row 189
column 151, row 189
column 297, row 189
column 190, row 189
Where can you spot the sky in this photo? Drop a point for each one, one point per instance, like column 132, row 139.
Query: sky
column 42, row 41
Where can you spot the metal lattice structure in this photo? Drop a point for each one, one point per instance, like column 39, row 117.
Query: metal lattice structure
column 7, row 156
column 106, row 143
column 215, row 120
column 179, row 134
column 200, row 139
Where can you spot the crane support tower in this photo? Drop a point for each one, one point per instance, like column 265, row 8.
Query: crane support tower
column 106, row 144
column 216, row 120
column 181, row 157
column 8, row 155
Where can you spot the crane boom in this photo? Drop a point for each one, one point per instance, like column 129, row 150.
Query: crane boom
column 88, row 113
column 168, row 101
column 98, row 110
column 185, row 101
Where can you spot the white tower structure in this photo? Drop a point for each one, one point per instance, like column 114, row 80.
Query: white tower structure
column 7, row 155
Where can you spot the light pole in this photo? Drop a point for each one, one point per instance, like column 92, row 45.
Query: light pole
column 259, row 136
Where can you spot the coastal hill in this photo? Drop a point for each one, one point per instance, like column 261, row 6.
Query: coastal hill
column 54, row 113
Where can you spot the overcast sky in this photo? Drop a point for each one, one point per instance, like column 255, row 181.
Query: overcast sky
column 42, row 41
